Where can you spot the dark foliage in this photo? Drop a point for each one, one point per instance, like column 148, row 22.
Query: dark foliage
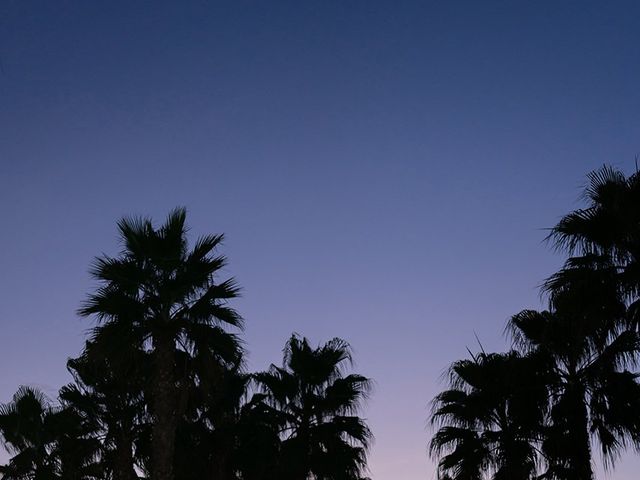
column 160, row 389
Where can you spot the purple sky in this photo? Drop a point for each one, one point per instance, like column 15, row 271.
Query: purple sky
column 383, row 171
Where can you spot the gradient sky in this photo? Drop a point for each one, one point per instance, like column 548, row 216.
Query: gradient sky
column 383, row 171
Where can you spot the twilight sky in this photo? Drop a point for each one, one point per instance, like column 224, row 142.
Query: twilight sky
column 383, row 171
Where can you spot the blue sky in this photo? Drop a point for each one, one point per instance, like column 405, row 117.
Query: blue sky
column 383, row 171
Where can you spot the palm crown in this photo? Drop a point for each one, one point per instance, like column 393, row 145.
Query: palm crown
column 315, row 402
column 168, row 297
column 490, row 419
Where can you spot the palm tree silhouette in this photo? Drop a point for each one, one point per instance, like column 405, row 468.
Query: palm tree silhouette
column 605, row 234
column 315, row 404
column 27, row 428
column 110, row 379
column 209, row 432
column 489, row 419
column 584, row 353
column 169, row 297
column 47, row 442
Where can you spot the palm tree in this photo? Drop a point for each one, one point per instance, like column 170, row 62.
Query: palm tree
column 47, row 442
column 590, row 330
column 77, row 448
column 258, row 441
column 27, row 428
column 209, row 430
column 586, row 353
column 169, row 296
column 315, row 404
column 609, row 223
column 109, row 391
column 490, row 419
column 606, row 233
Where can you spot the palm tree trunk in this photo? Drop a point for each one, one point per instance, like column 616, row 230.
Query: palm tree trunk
column 124, row 469
column 220, row 469
column 579, row 439
column 164, row 426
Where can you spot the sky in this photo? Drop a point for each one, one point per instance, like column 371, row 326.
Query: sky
column 384, row 172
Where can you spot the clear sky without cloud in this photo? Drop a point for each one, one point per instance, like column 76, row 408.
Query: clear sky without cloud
column 383, row 171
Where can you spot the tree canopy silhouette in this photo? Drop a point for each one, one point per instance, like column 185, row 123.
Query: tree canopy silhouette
column 581, row 353
column 160, row 390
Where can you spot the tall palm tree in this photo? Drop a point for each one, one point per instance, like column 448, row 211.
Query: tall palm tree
column 587, row 353
column 169, row 295
column 490, row 419
column 316, row 404
column 590, row 332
